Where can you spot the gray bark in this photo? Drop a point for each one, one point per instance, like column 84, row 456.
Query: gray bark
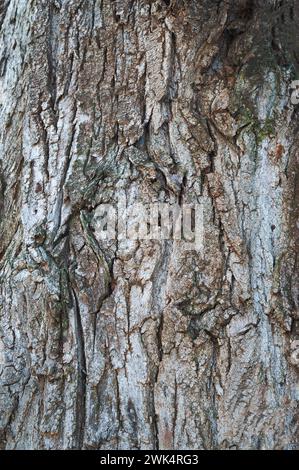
column 139, row 344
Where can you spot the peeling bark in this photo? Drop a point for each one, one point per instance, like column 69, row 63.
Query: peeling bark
column 140, row 344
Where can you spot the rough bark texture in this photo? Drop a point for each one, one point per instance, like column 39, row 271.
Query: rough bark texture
column 139, row 344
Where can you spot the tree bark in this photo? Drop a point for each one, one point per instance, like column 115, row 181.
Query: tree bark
column 139, row 344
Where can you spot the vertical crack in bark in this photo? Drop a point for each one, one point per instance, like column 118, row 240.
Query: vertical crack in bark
column 159, row 279
column 68, row 157
column 81, row 392
column 118, row 409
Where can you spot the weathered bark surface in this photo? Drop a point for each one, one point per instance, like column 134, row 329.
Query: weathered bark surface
column 139, row 344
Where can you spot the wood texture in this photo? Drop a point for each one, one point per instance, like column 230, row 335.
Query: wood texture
column 138, row 344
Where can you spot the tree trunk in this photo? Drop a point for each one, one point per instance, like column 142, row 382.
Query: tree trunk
column 128, row 344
